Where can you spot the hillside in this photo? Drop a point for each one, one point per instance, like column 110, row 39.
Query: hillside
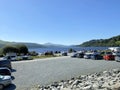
column 111, row 42
column 29, row 45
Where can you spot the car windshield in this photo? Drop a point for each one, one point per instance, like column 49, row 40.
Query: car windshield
column 108, row 52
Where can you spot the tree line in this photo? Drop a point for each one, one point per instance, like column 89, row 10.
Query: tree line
column 18, row 48
column 111, row 42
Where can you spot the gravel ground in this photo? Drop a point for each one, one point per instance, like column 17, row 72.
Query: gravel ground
column 28, row 74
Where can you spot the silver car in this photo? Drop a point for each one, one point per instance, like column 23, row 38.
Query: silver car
column 5, row 81
column 117, row 58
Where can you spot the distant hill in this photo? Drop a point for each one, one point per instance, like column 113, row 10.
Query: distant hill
column 111, row 42
column 29, row 45
column 53, row 45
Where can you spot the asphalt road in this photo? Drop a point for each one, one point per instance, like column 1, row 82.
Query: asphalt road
column 28, row 74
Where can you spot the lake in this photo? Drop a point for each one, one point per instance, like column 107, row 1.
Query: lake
column 41, row 50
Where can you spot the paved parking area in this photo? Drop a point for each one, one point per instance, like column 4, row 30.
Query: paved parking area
column 28, row 74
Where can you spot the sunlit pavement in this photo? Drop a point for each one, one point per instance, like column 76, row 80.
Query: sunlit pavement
column 28, row 74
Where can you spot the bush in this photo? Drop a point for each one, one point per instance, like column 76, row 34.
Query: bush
column 49, row 53
column 33, row 53
column 22, row 49
column 19, row 49
column 71, row 50
column 8, row 49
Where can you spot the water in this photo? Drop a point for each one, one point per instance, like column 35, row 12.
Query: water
column 41, row 50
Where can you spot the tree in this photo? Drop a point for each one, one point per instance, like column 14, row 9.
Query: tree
column 22, row 49
column 9, row 49
column 71, row 50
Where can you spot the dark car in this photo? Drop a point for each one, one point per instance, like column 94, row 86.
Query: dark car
column 80, row 55
column 5, row 71
column 96, row 57
column 5, row 63
column 74, row 55
column 64, row 54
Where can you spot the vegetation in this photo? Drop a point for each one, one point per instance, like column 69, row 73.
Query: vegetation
column 111, row 42
column 19, row 49
column 71, row 50
column 33, row 53
column 22, row 49
column 43, row 56
column 29, row 45
column 7, row 49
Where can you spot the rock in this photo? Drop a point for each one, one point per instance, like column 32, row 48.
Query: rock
column 106, row 85
column 116, row 71
column 116, row 86
column 76, row 82
column 95, row 86
column 47, row 87
column 106, row 80
column 87, row 88
column 118, row 75
column 71, row 81
column 100, row 78
column 66, row 89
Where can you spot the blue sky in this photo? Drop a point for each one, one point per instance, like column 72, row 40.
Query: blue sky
column 59, row 21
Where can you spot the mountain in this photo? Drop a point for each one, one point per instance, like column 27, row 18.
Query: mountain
column 110, row 42
column 29, row 45
column 53, row 45
column 32, row 45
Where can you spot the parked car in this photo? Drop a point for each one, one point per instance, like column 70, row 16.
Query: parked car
column 87, row 56
column 12, row 58
column 5, row 81
column 64, row 54
column 74, row 55
column 5, row 63
column 25, row 57
column 80, row 55
column 96, row 57
column 117, row 58
column 5, row 71
column 109, row 56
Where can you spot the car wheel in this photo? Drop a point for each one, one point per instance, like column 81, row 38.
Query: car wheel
column 1, row 87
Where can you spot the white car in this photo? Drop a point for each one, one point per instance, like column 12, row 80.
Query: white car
column 12, row 58
column 87, row 56
column 5, row 81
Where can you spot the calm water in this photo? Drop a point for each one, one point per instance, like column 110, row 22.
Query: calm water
column 41, row 50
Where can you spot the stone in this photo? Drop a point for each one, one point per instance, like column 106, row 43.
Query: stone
column 100, row 78
column 106, row 80
column 116, row 71
column 76, row 82
column 116, row 86
column 87, row 88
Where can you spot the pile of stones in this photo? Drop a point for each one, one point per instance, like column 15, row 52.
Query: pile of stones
column 106, row 80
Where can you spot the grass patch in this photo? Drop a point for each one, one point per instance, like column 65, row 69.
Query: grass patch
column 44, row 56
